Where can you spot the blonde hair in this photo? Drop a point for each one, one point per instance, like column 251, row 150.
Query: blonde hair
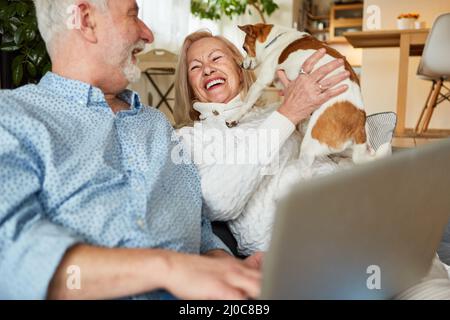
column 184, row 113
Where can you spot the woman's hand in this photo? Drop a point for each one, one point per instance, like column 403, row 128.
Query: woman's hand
column 310, row 90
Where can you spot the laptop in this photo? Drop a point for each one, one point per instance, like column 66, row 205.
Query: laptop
column 365, row 233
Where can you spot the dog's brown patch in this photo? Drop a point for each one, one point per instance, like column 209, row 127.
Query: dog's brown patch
column 255, row 32
column 341, row 122
column 310, row 42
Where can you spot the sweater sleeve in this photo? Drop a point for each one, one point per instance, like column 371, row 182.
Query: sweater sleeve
column 232, row 163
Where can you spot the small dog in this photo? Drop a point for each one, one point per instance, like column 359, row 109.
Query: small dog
column 339, row 124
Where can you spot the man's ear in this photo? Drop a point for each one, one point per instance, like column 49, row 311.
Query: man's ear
column 86, row 19
column 248, row 29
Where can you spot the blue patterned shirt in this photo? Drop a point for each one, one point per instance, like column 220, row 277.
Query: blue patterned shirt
column 72, row 171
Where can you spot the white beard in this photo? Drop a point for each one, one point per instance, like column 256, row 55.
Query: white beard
column 131, row 71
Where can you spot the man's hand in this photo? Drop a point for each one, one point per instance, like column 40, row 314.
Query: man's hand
column 255, row 261
column 192, row 277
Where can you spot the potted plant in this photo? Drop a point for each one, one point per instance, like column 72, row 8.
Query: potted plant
column 214, row 9
column 23, row 53
column 407, row 20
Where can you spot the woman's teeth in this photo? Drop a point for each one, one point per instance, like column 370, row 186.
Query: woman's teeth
column 209, row 85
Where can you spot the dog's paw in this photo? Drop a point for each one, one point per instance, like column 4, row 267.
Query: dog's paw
column 231, row 124
column 233, row 121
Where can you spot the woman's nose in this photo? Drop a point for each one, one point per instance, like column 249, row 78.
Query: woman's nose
column 207, row 70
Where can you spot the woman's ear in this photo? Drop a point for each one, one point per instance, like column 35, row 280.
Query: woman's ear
column 83, row 14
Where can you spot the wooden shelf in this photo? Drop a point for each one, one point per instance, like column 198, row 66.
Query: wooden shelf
column 342, row 23
column 350, row 6
column 355, row 20
column 314, row 31
column 318, row 18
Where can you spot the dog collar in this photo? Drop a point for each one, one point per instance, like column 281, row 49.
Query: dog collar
column 274, row 40
column 214, row 110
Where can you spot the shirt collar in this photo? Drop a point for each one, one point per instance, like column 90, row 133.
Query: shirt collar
column 84, row 93
column 211, row 109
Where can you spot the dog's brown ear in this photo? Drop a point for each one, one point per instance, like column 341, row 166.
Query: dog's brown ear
column 264, row 31
column 248, row 29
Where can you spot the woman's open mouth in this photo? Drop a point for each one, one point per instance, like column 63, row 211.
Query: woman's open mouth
column 214, row 83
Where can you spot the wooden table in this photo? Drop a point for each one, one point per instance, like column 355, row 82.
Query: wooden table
column 410, row 42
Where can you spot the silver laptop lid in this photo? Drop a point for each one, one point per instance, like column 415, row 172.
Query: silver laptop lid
column 365, row 233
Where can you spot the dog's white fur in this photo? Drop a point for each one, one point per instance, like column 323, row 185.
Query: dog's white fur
column 267, row 59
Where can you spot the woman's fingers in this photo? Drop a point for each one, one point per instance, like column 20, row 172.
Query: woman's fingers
column 331, row 93
column 283, row 78
column 334, row 80
column 308, row 65
column 326, row 69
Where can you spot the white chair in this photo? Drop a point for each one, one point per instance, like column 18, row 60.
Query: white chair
column 435, row 66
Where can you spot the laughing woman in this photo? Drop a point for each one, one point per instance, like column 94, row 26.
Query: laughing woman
column 245, row 169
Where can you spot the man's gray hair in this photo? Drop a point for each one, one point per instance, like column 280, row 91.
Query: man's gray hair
column 53, row 16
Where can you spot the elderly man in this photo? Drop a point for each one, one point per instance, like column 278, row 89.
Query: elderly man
column 86, row 172
column 88, row 188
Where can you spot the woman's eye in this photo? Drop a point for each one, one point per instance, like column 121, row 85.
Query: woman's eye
column 194, row 68
column 217, row 58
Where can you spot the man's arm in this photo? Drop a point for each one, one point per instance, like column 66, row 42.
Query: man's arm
column 31, row 247
column 109, row 273
column 116, row 273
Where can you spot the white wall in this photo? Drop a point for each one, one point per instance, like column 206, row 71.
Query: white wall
column 380, row 66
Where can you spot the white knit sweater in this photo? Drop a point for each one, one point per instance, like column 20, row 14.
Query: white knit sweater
column 245, row 194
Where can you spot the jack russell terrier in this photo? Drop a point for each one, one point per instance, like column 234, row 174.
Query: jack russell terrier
column 338, row 125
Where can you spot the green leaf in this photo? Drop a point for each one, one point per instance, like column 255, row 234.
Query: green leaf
column 22, row 9
column 9, row 48
column 34, row 57
column 214, row 9
column 7, row 38
column 31, row 69
column 29, row 34
column 18, row 60
column 18, row 36
column 17, row 73
column 8, row 11
column 47, row 68
column 14, row 23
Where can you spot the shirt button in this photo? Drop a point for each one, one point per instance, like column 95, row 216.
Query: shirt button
column 216, row 113
column 141, row 224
